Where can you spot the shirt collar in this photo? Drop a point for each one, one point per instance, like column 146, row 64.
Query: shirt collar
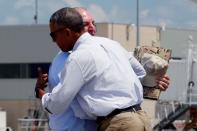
column 82, row 38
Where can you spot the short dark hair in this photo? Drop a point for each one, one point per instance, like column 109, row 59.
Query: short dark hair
column 68, row 17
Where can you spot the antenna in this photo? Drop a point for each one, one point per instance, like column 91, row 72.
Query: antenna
column 36, row 12
column 137, row 25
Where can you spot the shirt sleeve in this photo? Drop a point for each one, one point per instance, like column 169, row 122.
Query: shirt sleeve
column 137, row 66
column 62, row 95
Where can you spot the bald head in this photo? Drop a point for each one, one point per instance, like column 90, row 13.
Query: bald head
column 87, row 19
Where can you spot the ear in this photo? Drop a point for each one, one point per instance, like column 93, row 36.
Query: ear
column 68, row 31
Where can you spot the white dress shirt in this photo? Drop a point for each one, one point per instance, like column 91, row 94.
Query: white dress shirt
column 66, row 120
column 100, row 73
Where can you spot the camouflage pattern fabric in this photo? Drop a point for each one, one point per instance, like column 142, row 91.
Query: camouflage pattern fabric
column 152, row 92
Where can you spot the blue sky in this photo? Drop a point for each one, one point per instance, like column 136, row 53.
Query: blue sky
column 171, row 13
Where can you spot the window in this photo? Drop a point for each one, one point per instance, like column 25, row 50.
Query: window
column 22, row 70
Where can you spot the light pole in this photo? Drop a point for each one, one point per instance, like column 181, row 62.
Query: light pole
column 36, row 12
column 137, row 24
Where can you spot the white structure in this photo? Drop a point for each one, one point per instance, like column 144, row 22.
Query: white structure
column 183, row 68
column 3, row 120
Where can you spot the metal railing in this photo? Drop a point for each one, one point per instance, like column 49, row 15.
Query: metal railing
column 181, row 109
column 33, row 125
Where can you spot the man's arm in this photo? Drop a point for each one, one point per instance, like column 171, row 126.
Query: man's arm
column 137, row 67
column 62, row 95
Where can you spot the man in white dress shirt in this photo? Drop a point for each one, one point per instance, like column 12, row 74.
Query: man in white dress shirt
column 99, row 74
column 67, row 120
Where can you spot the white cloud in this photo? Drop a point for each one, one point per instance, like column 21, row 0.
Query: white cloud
column 47, row 8
column 98, row 13
column 171, row 12
column 157, row 21
column 117, row 15
column 164, row 12
column 51, row 5
column 144, row 13
column 114, row 11
column 73, row 3
column 11, row 20
column 24, row 3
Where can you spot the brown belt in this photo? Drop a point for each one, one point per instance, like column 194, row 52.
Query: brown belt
column 118, row 111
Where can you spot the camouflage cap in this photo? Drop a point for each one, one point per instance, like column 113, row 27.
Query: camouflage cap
column 155, row 66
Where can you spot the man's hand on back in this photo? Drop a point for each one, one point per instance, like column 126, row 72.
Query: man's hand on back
column 41, row 84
